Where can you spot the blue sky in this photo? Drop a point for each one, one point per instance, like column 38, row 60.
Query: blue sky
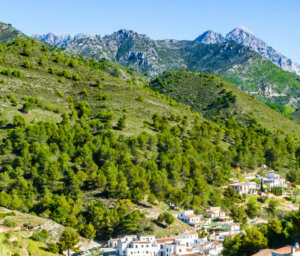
column 275, row 21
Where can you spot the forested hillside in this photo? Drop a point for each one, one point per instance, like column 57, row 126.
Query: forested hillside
column 215, row 99
column 69, row 128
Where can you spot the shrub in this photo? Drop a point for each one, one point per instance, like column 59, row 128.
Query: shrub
column 60, row 94
column 40, row 236
column 51, row 70
column 84, row 92
column 50, row 107
column 101, row 96
column 26, row 51
column 43, row 61
column 13, row 99
column 27, row 106
column 27, row 64
column 5, row 214
column 140, row 98
column 73, row 63
column 17, row 73
column 52, row 247
column 9, row 223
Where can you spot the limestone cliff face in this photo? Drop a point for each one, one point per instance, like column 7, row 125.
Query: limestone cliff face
column 245, row 37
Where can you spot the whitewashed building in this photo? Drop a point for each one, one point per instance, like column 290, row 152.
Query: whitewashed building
column 247, row 188
column 189, row 217
column 185, row 244
column 216, row 212
column 272, row 180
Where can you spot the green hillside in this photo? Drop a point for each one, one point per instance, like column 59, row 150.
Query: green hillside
column 8, row 33
column 213, row 97
column 234, row 62
column 84, row 146
column 266, row 81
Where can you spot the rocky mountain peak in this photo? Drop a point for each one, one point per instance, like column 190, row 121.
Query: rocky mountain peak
column 241, row 29
column 241, row 35
column 61, row 40
column 8, row 33
column 125, row 33
column 210, row 37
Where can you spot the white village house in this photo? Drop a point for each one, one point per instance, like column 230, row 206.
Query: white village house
column 185, row 244
column 247, row 188
column 216, row 212
column 273, row 180
column 189, row 217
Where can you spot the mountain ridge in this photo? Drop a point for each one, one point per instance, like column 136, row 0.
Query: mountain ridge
column 241, row 35
column 233, row 61
column 245, row 37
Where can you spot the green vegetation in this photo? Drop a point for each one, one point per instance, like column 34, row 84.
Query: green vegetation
column 9, row 223
column 275, row 234
column 8, row 33
column 68, row 241
column 70, row 154
column 40, row 236
column 261, row 75
column 217, row 99
column 166, row 218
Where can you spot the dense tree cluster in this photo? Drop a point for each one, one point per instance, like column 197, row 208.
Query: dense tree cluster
column 275, row 234
column 46, row 167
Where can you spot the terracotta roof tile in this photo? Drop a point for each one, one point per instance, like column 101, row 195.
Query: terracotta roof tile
column 284, row 250
column 164, row 240
column 191, row 215
column 265, row 252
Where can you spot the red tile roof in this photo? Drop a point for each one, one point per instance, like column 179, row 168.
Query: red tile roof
column 265, row 252
column 284, row 250
column 164, row 240
column 191, row 215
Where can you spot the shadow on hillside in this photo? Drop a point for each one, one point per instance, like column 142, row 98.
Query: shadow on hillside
column 143, row 205
column 159, row 224
column 8, row 126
